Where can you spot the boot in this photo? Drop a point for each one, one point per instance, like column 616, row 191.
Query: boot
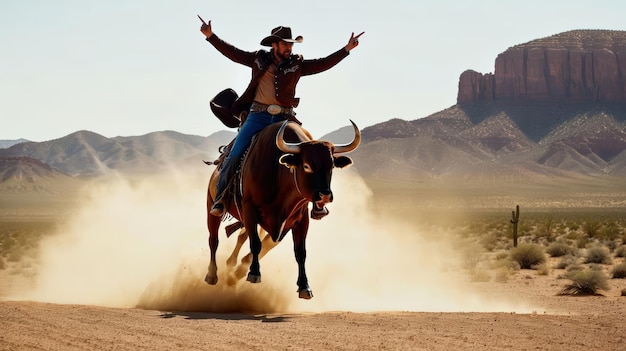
column 218, row 206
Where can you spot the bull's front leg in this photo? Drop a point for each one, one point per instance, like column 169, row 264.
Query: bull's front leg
column 299, row 245
column 254, row 275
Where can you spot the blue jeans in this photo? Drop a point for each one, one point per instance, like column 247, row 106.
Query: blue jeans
column 255, row 122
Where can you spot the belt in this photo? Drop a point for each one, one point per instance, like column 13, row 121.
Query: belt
column 271, row 109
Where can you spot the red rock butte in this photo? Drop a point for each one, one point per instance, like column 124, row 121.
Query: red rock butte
column 574, row 66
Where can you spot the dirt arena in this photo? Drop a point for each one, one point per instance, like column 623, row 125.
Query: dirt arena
column 572, row 323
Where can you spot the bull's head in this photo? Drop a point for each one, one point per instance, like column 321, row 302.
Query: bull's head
column 315, row 160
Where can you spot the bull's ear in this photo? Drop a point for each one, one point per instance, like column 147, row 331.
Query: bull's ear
column 342, row 161
column 289, row 160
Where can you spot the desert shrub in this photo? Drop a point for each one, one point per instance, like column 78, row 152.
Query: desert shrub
column 582, row 241
column 585, row 282
column 489, row 241
column 620, row 251
column 619, row 271
column 558, row 249
column 566, row 261
column 528, row 255
column 610, row 244
column 609, row 232
column 573, row 226
column 548, row 228
column 597, row 254
column 592, row 227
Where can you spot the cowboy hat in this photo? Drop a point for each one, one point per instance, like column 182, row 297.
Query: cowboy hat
column 280, row 34
column 221, row 105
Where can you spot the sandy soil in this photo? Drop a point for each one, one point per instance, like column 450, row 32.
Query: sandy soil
column 575, row 323
column 125, row 273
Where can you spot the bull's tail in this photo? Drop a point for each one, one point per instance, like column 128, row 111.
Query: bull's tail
column 223, row 150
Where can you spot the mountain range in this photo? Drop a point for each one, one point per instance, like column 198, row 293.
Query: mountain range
column 562, row 132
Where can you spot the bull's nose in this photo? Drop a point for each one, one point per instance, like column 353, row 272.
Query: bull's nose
column 326, row 196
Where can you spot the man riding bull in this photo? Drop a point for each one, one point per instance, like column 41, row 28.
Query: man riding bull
column 270, row 95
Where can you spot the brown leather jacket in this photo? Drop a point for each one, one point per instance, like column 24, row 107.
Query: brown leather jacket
column 286, row 76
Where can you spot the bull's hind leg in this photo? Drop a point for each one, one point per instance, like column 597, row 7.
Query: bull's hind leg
column 254, row 275
column 241, row 238
column 266, row 245
column 213, row 223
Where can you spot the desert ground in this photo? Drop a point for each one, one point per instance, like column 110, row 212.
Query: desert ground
column 122, row 269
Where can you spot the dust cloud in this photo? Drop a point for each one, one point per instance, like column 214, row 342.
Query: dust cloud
column 143, row 243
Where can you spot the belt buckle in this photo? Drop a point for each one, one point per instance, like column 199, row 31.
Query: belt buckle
column 274, row 109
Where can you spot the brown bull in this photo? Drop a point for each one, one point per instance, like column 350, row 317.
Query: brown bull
column 284, row 170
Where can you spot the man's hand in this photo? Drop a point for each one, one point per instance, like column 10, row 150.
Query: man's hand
column 206, row 28
column 353, row 42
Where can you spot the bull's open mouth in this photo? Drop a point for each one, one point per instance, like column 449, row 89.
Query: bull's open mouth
column 319, row 205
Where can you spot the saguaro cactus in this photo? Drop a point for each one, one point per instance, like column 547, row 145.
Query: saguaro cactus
column 514, row 220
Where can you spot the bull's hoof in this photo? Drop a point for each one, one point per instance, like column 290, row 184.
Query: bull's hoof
column 210, row 280
column 253, row 278
column 241, row 271
column 306, row 294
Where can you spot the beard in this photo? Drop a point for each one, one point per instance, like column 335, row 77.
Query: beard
column 284, row 54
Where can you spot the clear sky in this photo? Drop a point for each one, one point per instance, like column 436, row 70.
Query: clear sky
column 131, row 67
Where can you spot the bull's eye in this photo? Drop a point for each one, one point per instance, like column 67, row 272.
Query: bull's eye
column 307, row 168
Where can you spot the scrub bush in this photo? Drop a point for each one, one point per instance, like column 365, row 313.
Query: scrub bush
column 559, row 249
column 597, row 254
column 585, row 282
column 619, row 271
column 528, row 255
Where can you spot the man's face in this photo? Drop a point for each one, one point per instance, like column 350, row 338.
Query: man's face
column 282, row 50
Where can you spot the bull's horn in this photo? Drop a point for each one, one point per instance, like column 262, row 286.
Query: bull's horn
column 284, row 146
column 351, row 146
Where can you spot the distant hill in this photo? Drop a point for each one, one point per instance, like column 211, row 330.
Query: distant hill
column 27, row 175
column 8, row 143
column 450, row 144
column 88, row 154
